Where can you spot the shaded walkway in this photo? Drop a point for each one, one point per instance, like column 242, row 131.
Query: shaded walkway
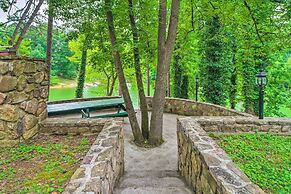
column 152, row 171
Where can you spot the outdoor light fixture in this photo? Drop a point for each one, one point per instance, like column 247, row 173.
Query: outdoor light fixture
column 197, row 85
column 261, row 81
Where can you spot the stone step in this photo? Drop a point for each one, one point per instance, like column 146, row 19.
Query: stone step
column 151, row 173
column 151, row 182
column 153, row 190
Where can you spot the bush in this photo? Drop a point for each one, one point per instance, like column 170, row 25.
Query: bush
column 54, row 80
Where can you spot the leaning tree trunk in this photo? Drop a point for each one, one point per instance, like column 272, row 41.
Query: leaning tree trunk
column 138, row 75
column 165, row 49
column 138, row 138
column 112, row 85
column 82, row 72
column 27, row 25
column 49, row 41
column 20, row 22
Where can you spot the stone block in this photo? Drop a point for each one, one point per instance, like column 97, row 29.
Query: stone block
column 8, row 143
column 41, row 107
column 99, row 169
column 94, row 185
column 44, row 92
column 30, row 121
column 72, row 187
column 286, row 129
column 30, row 79
column 4, row 67
column 29, row 88
column 30, row 68
column 18, row 68
column 21, row 83
column 79, row 173
column 9, row 112
column 3, row 135
column 17, row 97
column 32, row 106
column 39, row 77
column 2, row 98
column 210, row 159
column 31, row 132
column 105, row 155
column 7, row 83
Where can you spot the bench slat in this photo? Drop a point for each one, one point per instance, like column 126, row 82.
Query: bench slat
column 75, row 107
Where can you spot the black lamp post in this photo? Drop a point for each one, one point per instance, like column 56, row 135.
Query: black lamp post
column 197, row 85
column 261, row 81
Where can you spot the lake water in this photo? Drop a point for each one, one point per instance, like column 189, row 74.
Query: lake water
column 89, row 91
column 94, row 91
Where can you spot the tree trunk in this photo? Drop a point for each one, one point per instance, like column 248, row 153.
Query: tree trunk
column 148, row 68
column 23, row 16
column 138, row 75
column 149, row 79
column 169, row 84
column 49, row 40
column 138, row 138
column 112, row 85
column 165, row 49
column 27, row 25
column 82, row 72
column 107, row 86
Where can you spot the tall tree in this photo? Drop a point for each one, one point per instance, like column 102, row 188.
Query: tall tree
column 166, row 42
column 138, row 73
column 20, row 22
column 27, row 25
column 49, row 39
column 213, row 65
column 82, row 70
column 138, row 138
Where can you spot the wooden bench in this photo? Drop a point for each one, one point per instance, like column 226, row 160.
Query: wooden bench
column 87, row 106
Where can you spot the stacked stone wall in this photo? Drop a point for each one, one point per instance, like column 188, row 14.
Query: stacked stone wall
column 245, row 124
column 103, row 165
column 205, row 166
column 23, row 96
column 72, row 126
column 191, row 108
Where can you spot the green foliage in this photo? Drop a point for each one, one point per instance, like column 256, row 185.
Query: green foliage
column 214, row 67
column 40, row 167
column 54, row 80
column 264, row 158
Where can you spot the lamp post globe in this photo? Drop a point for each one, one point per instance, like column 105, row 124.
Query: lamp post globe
column 261, row 81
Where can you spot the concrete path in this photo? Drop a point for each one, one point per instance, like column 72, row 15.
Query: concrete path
column 152, row 171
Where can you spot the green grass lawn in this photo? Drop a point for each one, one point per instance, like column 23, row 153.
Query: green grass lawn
column 43, row 165
column 264, row 158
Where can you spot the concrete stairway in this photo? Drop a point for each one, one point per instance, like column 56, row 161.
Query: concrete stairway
column 152, row 182
column 152, row 171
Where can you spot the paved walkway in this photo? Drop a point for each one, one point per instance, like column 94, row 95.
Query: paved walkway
column 152, row 171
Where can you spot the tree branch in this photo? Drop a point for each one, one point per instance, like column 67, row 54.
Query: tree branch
column 254, row 21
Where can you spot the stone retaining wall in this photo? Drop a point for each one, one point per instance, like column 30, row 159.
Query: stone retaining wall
column 191, row 108
column 205, row 166
column 72, row 126
column 104, row 163
column 23, row 96
column 245, row 124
